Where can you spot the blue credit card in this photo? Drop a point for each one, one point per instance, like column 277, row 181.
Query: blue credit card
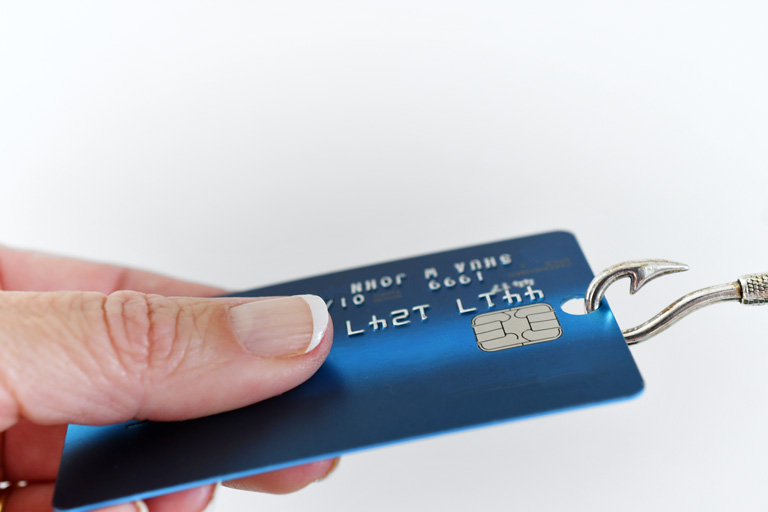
column 424, row 345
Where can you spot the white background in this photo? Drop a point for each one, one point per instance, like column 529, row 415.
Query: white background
column 247, row 143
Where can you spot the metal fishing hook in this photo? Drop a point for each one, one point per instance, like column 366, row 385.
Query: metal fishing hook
column 751, row 289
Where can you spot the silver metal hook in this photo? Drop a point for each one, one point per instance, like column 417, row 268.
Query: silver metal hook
column 751, row 289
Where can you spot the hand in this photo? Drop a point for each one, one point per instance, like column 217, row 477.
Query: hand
column 105, row 356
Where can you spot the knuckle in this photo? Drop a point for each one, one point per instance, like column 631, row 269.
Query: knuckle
column 143, row 330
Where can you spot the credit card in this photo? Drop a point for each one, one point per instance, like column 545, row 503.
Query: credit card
column 422, row 346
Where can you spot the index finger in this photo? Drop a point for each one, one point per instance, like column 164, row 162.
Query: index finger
column 32, row 271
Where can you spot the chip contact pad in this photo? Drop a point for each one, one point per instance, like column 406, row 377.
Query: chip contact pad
column 516, row 327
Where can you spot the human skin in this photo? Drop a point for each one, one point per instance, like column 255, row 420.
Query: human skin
column 96, row 344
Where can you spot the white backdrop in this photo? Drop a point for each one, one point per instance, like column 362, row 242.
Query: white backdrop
column 247, row 143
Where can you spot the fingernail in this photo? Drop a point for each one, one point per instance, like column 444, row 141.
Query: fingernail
column 141, row 506
column 334, row 465
column 283, row 327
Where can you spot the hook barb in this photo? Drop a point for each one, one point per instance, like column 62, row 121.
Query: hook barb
column 749, row 289
column 639, row 273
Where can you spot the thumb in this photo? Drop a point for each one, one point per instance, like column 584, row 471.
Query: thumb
column 85, row 357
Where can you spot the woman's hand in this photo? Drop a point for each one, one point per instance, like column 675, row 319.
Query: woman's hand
column 96, row 344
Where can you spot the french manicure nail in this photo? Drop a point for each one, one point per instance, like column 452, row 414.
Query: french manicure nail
column 282, row 327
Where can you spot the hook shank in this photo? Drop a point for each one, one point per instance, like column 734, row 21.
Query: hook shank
column 680, row 308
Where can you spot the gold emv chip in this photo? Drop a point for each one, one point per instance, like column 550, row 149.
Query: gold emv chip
column 516, row 327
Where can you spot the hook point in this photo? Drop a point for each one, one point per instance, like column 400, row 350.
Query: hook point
column 641, row 272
